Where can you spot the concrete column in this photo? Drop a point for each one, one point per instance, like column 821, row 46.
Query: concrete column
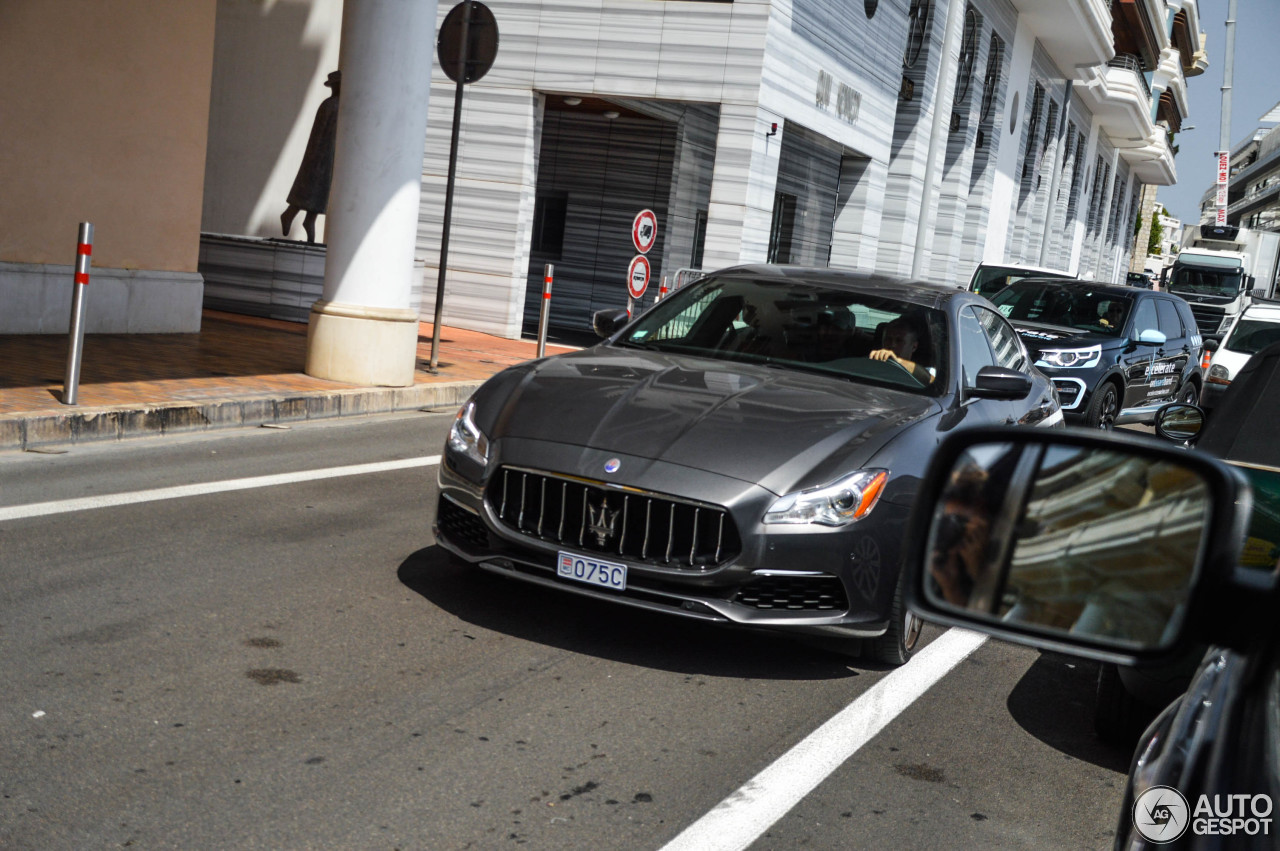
column 363, row 330
column 742, row 186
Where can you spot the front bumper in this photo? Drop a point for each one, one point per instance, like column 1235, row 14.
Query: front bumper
column 798, row 578
column 1211, row 394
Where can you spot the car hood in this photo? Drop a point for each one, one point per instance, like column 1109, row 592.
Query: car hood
column 1039, row 337
column 771, row 426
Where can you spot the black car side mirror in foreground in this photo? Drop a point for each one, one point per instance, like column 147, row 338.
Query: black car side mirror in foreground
column 1111, row 547
column 607, row 322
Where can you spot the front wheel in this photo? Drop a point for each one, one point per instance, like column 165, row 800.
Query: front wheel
column 1103, row 408
column 1188, row 394
column 898, row 643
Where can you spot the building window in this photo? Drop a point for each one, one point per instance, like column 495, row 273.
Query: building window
column 699, row 239
column 1101, row 174
column 782, row 231
column 548, row 224
column 991, row 79
column 917, row 32
column 968, row 54
column 1077, row 175
column 1033, row 134
column 1044, row 141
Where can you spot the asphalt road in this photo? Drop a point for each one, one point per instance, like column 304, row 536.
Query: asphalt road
column 295, row 665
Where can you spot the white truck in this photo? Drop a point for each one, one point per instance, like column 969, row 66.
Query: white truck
column 1221, row 269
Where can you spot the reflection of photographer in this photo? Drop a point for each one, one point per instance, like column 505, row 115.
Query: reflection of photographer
column 959, row 563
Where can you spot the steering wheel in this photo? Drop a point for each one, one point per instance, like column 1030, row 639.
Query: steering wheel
column 909, row 373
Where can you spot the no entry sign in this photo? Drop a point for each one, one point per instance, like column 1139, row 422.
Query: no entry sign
column 638, row 276
column 644, row 231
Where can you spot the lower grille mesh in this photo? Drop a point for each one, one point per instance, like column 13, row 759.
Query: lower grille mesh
column 798, row 593
column 460, row 525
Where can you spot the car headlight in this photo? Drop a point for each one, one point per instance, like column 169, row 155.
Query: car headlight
column 1071, row 358
column 1219, row 374
column 836, row 504
column 465, row 436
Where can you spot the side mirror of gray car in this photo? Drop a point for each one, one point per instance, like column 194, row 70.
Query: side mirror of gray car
column 998, row 382
column 1111, row 547
column 607, row 322
column 1152, row 337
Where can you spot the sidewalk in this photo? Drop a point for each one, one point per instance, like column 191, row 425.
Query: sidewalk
column 238, row 371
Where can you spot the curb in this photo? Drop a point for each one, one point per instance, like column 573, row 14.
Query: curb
column 120, row 422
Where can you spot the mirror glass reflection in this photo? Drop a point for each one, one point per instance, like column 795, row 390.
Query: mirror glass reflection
column 1066, row 539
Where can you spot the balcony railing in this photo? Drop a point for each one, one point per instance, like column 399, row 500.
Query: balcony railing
column 1134, row 64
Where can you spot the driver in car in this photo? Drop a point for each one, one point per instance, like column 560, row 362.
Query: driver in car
column 901, row 342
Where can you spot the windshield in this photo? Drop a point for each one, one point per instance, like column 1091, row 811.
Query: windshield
column 1065, row 306
column 801, row 326
column 1252, row 335
column 989, row 280
column 1201, row 280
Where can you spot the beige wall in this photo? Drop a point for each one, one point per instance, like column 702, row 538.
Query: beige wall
column 270, row 63
column 104, row 118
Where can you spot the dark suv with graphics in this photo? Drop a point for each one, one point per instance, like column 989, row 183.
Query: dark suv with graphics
column 1114, row 353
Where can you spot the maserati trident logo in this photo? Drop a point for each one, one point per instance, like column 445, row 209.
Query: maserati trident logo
column 604, row 523
column 612, row 465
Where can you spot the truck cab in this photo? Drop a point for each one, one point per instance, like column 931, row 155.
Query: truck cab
column 1217, row 271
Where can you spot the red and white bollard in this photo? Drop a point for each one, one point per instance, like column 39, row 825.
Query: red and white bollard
column 547, row 274
column 662, row 290
column 84, row 253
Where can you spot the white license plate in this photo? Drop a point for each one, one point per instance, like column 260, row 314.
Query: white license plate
column 593, row 571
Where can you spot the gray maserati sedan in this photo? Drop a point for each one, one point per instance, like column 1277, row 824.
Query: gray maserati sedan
column 745, row 452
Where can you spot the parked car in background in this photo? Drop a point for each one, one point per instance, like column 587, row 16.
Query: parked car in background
column 1142, row 280
column 745, row 452
column 990, row 278
column 1119, row 549
column 1114, row 353
column 1257, row 327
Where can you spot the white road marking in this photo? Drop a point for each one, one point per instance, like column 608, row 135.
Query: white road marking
column 40, row 509
column 740, row 819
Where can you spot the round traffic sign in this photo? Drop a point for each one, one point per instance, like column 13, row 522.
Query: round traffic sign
column 644, row 231
column 638, row 275
column 482, row 42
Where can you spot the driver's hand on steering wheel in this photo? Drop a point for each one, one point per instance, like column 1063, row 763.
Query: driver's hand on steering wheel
column 885, row 354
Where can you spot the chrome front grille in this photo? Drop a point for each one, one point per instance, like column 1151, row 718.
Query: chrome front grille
column 592, row 517
column 1207, row 318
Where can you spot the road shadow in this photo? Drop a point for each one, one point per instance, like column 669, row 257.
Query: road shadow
column 619, row 633
column 1054, row 702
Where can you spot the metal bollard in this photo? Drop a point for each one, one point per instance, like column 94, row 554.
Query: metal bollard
column 84, row 251
column 547, row 273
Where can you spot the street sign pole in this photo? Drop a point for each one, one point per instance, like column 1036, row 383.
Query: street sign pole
column 463, row 62
column 448, row 192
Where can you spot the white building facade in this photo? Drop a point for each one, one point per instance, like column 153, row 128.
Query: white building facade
column 799, row 131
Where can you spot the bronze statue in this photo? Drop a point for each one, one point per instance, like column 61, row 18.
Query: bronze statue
column 310, row 190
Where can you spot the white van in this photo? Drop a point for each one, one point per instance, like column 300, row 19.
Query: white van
column 1257, row 326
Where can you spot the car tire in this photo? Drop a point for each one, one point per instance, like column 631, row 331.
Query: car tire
column 900, row 640
column 1118, row 717
column 1188, row 394
column 1103, row 407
